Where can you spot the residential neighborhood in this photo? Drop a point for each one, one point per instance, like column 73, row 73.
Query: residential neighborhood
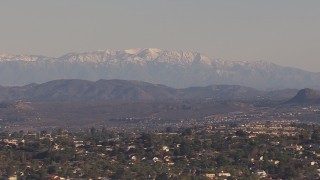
column 275, row 149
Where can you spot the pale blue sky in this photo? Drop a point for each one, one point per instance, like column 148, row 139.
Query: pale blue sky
column 282, row 31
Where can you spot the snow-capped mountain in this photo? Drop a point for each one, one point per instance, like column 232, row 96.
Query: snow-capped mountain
column 26, row 58
column 173, row 68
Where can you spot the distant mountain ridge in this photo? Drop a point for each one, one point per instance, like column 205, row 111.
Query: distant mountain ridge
column 306, row 96
column 177, row 69
column 123, row 90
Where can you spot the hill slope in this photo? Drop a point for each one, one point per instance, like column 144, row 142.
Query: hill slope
column 306, row 96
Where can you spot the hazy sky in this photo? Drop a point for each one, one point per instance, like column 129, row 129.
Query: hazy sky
column 286, row 32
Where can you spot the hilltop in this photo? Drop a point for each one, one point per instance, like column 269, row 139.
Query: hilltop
column 305, row 96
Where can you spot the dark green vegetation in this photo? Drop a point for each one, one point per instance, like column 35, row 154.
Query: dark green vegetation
column 197, row 152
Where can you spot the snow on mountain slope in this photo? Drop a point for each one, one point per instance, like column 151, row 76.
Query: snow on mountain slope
column 27, row 58
column 173, row 68
column 140, row 56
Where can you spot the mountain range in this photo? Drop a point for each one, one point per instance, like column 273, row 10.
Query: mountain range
column 125, row 90
column 79, row 103
column 176, row 69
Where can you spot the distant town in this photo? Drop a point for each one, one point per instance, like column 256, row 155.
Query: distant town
column 262, row 143
column 275, row 149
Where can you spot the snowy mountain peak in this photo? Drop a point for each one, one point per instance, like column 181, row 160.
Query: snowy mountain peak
column 132, row 51
column 172, row 68
column 137, row 51
column 140, row 56
column 26, row 58
column 110, row 56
